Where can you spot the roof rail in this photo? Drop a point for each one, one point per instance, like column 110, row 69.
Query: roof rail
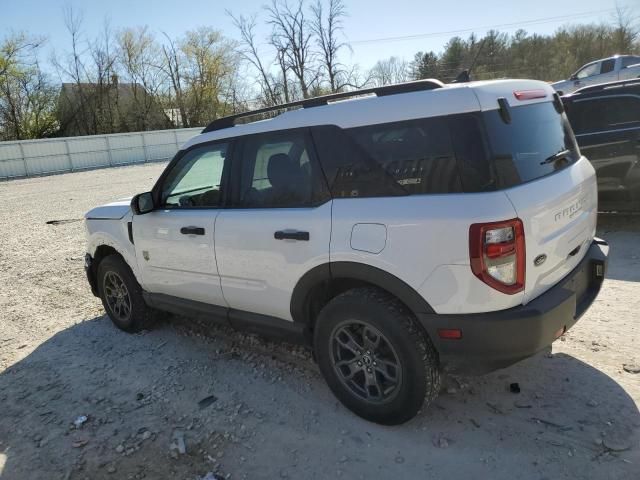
column 406, row 87
column 603, row 86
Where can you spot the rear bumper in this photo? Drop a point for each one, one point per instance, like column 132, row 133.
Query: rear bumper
column 495, row 340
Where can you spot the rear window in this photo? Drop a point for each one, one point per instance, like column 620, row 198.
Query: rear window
column 536, row 142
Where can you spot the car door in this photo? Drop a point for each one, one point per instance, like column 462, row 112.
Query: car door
column 608, row 72
column 175, row 242
column 587, row 75
column 279, row 224
column 608, row 132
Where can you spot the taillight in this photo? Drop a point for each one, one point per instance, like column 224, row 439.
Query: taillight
column 497, row 254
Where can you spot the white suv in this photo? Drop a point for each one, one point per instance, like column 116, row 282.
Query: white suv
column 404, row 231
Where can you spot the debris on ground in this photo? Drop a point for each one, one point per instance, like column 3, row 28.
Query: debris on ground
column 631, row 367
column 514, row 387
column 441, row 441
column 80, row 443
column 178, row 445
column 212, row 476
column 206, row 401
column 495, row 408
column 79, row 421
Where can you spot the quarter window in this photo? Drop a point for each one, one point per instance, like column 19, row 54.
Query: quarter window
column 606, row 113
column 196, row 179
column 628, row 61
column 425, row 156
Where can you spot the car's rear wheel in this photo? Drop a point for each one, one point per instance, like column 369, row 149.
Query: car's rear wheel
column 121, row 295
column 374, row 357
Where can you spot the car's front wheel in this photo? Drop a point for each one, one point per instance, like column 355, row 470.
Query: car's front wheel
column 121, row 295
column 374, row 357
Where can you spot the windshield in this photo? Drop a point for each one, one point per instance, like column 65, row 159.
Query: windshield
column 537, row 142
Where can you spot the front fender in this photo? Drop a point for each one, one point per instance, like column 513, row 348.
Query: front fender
column 114, row 234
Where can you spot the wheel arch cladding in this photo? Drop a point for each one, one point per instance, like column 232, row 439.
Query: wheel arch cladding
column 100, row 253
column 320, row 284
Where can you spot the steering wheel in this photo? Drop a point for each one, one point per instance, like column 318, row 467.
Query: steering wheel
column 186, row 201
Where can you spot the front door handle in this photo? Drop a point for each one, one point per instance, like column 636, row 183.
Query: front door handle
column 291, row 235
column 192, row 231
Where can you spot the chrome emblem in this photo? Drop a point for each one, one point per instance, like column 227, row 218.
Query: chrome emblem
column 539, row 260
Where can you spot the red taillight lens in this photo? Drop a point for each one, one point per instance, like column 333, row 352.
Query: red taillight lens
column 450, row 333
column 497, row 254
column 529, row 94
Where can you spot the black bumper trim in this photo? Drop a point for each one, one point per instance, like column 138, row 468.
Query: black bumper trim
column 496, row 340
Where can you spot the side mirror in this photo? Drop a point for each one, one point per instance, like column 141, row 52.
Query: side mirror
column 142, row 203
column 573, row 77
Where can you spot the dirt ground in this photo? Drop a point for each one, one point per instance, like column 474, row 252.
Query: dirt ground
column 246, row 408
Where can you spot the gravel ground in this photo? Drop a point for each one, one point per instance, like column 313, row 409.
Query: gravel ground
column 245, row 408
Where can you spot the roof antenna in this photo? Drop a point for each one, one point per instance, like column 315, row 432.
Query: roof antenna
column 465, row 75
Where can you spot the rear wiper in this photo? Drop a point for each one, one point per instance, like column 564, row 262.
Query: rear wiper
column 556, row 156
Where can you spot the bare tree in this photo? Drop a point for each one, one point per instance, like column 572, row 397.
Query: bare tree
column 292, row 34
column 389, row 71
column 138, row 52
column 327, row 32
column 172, row 67
column 625, row 29
column 249, row 51
column 103, row 77
column 74, row 103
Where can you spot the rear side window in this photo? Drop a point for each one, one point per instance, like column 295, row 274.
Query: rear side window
column 607, row 66
column 604, row 113
column 403, row 158
column 275, row 171
column 536, row 142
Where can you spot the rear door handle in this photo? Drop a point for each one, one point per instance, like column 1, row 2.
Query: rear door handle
column 192, row 231
column 291, row 235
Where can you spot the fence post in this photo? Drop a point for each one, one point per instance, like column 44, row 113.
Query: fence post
column 66, row 146
column 144, row 148
column 24, row 160
column 106, row 139
column 175, row 135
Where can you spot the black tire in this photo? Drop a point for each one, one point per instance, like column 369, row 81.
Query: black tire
column 376, row 315
column 138, row 316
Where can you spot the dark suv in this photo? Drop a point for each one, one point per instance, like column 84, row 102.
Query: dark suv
column 606, row 122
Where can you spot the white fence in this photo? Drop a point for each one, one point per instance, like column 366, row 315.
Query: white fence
column 28, row 158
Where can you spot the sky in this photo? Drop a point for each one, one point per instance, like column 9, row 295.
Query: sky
column 372, row 26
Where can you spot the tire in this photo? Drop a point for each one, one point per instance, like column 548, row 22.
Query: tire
column 370, row 317
column 121, row 295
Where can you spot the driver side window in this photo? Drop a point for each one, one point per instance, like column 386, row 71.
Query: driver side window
column 196, row 179
column 589, row 71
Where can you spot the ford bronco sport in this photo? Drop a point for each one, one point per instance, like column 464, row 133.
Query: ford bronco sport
column 400, row 231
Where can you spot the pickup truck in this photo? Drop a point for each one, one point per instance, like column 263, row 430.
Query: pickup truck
column 618, row 67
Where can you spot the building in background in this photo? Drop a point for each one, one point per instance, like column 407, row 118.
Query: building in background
column 96, row 108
